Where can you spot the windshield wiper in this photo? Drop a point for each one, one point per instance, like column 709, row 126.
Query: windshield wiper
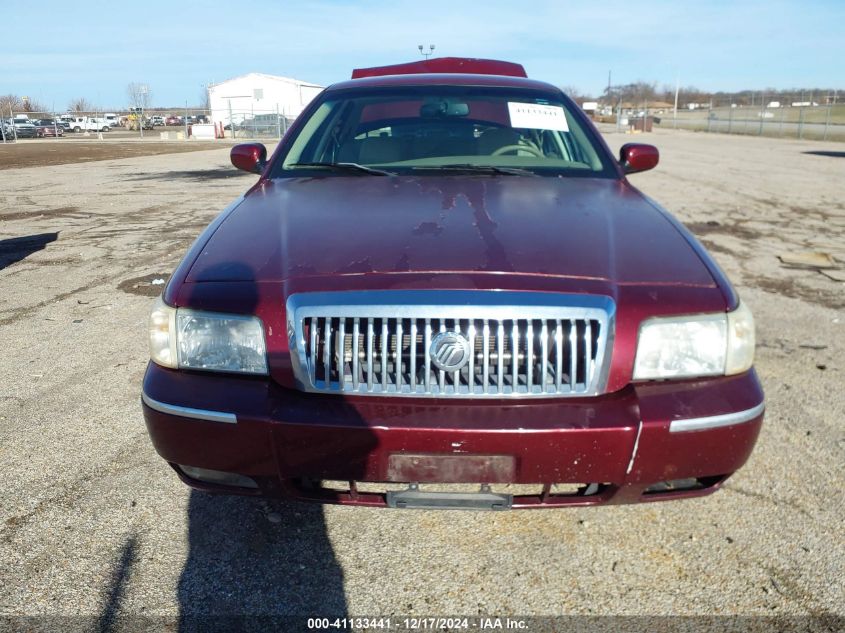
column 353, row 167
column 488, row 169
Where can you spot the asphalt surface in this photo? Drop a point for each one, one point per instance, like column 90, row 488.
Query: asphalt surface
column 93, row 523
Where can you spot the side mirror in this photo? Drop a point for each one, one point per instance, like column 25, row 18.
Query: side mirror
column 635, row 157
column 250, row 157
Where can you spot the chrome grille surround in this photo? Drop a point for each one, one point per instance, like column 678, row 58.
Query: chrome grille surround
column 495, row 322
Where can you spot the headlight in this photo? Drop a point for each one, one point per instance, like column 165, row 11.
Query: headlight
column 191, row 339
column 700, row 345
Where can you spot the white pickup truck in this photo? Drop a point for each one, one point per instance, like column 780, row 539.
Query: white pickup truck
column 86, row 123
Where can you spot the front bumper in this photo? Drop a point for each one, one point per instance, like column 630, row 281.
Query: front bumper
column 616, row 448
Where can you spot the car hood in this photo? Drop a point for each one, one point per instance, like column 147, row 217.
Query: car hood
column 569, row 227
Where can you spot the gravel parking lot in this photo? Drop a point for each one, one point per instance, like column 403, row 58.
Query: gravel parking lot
column 93, row 523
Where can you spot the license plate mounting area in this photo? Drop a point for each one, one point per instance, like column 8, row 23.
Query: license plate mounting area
column 449, row 468
column 414, row 498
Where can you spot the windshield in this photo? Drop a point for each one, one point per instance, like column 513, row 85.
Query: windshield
column 430, row 129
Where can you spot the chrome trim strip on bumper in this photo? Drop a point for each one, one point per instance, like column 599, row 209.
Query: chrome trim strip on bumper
column 188, row 412
column 715, row 421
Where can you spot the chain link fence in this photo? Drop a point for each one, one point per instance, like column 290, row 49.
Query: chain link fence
column 809, row 120
column 162, row 123
column 784, row 118
column 16, row 126
column 254, row 124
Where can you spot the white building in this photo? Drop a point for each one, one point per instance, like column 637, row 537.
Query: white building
column 590, row 107
column 244, row 97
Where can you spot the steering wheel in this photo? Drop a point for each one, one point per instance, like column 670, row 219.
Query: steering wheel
column 513, row 148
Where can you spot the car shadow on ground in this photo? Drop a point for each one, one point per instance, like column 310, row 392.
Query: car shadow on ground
column 252, row 562
column 194, row 174
column 15, row 249
column 827, row 153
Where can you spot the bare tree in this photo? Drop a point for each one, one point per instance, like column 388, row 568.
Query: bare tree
column 139, row 95
column 573, row 93
column 205, row 101
column 18, row 104
column 633, row 93
column 31, row 105
column 8, row 102
column 80, row 104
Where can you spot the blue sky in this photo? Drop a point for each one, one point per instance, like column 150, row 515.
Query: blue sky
column 94, row 50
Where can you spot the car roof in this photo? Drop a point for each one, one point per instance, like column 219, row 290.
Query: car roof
column 443, row 79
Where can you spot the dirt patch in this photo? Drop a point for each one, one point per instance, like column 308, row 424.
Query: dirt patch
column 790, row 288
column 147, row 286
column 42, row 153
column 735, row 230
column 59, row 212
column 713, row 247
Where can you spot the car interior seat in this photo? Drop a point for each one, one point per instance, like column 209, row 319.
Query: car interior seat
column 496, row 138
column 380, row 149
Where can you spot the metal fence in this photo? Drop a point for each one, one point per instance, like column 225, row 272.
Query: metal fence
column 16, row 126
column 785, row 118
column 253, row 124
column 178, row 124
column 794, row 119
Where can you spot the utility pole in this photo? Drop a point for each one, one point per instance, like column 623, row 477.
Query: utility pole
column 677, row 88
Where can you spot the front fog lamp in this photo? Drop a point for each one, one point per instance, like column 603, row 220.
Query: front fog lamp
column 698, row 345
column 191, row 339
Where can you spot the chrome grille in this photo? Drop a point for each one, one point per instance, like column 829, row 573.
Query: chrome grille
column 521, row 344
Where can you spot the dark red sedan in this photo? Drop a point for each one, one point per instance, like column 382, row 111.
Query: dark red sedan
column 443, row 292
column 48, row 127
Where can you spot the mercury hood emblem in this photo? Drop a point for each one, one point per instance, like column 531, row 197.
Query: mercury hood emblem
column 449, row 351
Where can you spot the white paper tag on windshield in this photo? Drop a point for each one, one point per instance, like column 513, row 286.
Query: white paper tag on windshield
column 537, row 117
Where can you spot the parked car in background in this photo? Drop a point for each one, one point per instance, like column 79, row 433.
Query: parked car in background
column 157, row 119
column 75, row 123
column 444, row 276
column 48, row 127
column 100, row 124
column 173, row 120
column 78, row 123
column 23, row 127
column 69, row 122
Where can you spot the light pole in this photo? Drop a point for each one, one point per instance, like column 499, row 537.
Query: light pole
column 429, row 53
column 143, row 91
